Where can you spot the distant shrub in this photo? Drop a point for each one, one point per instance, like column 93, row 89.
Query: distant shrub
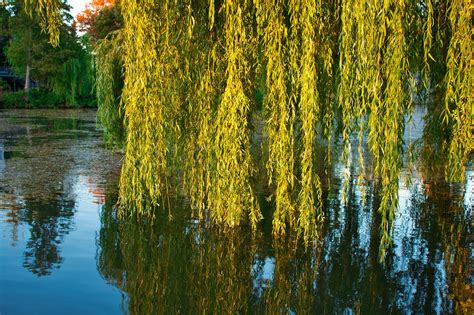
column 14, row 100
column 4, row 87
column 40, row 98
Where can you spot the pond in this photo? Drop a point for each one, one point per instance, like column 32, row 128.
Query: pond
column 64, row 251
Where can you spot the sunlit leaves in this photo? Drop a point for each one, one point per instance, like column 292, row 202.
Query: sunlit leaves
column 49, row 14
column 458, row 99
column 190, row 69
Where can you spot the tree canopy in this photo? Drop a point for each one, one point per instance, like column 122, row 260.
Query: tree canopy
column 64, row 70
column 195, row 72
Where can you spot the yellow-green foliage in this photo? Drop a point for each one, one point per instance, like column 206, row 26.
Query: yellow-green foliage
column 394, row 105
column 458, row 99
column 427, row 42
column 232, row 196
column 281, row 114
column 292, row 90
column 145, row 153
column 190, row 73
column 347, row 90
column 310, row 196
column 198, row 147
column 49, row 14
column 373, row 82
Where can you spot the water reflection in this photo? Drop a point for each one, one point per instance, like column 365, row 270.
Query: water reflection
column 182, row 266
column 48, row 164
column 48, row 224
column 178, row 266
column 38, row 176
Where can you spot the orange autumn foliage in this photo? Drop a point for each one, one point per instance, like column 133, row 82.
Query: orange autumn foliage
column 85, row 19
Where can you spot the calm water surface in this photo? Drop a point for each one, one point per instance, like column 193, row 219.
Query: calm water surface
column 63, row 250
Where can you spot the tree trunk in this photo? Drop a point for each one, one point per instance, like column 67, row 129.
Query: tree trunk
column 28, row 64
column 27, row 78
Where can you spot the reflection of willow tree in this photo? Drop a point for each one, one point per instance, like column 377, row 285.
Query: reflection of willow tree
column 350, row 275
column 169, row 268
column 179, row 266
column 456, row 225
column 451, row 220
column 293, row 287
column 443, row 226
column 458, row 258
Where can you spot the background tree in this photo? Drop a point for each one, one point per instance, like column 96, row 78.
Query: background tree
column 102, row 22
column 99, row 18
column 64, row 71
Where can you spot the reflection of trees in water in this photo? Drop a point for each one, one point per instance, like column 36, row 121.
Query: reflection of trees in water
column 49, row 218
column 39, row 192
column 179, row 266
column 49, row 222
column 350, row 276
column 168, row 267
column 39, row 186
column 447, row 219
column 47, row 207
column 292, row 284
column 453, row 221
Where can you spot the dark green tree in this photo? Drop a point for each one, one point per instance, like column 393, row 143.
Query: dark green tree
column 64, row 71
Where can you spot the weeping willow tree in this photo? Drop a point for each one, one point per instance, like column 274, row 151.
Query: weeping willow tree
column 458, row 100
column 190, row 69
column 232, row 196
column 109, row 84
column 76, row 80
column 145, row 114
column 290, row 42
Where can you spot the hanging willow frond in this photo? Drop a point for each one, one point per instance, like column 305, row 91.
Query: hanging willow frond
column 281, row 113
column 189, row 76
column 49, row 15
column 145, row 153
column 109, row 80
column 458, row 108
column 310, row 196
column 427, row 42
column 232, row 195
column 395, row 105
